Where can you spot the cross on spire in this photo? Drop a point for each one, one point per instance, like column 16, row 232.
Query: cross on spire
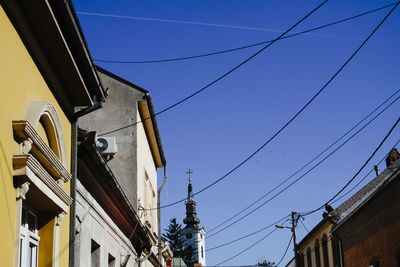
column 189, row 172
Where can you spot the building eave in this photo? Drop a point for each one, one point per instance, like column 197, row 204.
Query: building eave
column 99, row 180
column 45, row 29
column 151, row 129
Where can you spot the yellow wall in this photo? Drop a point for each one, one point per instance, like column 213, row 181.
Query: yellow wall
column 21, row 84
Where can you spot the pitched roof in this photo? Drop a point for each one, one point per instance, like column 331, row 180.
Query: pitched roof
column 365, row 193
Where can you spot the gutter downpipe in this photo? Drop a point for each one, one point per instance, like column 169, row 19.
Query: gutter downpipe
column 159, row 212
column 72, row 213
column 144, row 258
column 74, row 172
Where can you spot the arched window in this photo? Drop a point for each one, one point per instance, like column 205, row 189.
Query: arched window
column 301, row 259
column 317, row 255
column 335, row 252
column 309, row 257
column 40, row 171
column 325, row 250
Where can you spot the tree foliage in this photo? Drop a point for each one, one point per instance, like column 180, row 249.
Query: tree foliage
column 173, row 234
column 265, row 263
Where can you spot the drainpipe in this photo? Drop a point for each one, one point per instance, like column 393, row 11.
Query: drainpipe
column 144, row 258
column 74, row 172
column 159, row 212
column 72, row 213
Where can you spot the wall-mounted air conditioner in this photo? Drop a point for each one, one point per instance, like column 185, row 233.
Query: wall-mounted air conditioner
column 107, row 145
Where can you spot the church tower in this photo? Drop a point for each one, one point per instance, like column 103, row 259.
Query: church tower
column 193, row 236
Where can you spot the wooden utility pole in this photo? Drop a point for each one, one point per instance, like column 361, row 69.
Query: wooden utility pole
column 296, row 258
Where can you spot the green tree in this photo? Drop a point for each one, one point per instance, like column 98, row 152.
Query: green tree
column 265, row 263
column 173, row 235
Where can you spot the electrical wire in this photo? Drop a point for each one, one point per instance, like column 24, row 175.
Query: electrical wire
column 311, row 161
column 243, row 47
column 251, row 246
column 357, row 173
column 251, row 234
column 226, row 73
column 355, row 186
column 298, row 112
column 307, row 172
column 286, row 250
column 304, row 226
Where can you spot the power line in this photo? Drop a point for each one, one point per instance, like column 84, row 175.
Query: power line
column 242, row 47
column 348, row 192
column 294, row 117
column 251, row 234
column 307, row 172
column 298, row 112
column 286, row 250
column 301, row 221
column 358, row 172
column 224, row 75
column 243, row 251
column 311, row 161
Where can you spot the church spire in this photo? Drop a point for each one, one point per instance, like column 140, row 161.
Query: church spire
column 191, row 219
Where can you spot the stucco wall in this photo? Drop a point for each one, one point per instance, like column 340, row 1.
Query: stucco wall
column 309, row 243
column 94, row 224
column 146, row 165
column 119, row 109
column 21, row 84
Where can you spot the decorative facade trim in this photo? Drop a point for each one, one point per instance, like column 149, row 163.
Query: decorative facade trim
column 28, row 169
column 46, row 112
column 32, row 142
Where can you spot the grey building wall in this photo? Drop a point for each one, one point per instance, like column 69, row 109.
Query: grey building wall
column 119, row 109
column 99, row 242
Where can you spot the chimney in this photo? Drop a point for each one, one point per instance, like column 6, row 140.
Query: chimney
column 392, row 157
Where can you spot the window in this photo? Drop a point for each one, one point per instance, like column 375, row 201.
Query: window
column 111, row 260
column 309, row 257
column 317, row 255
column 398, row 257
column 202, row 252
column 335, row 251
column 29, row 239
column 95, row 254
column 325, row 250
column 300, row 259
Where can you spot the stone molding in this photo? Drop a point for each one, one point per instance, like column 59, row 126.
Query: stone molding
column 45, row 111
column 32, row 142
column 28, row 169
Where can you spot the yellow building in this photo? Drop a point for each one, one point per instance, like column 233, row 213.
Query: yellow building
column 46, row 73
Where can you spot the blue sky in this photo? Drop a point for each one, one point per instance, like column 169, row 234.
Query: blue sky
column 220, row 127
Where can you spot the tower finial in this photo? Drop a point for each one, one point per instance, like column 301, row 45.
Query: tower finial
column 189, row 172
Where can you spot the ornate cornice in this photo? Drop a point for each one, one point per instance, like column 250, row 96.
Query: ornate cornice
column 26, row 134
column 25, row 164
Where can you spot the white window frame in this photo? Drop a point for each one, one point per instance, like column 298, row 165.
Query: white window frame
column 29, row 239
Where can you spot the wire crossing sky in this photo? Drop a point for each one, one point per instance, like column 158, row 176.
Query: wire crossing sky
column 357, row 173
column 226, row 73
column 313, row 159
column 232, row 49
column 211, row 132
column 297, row 113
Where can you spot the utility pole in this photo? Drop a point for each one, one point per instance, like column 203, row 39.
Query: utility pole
column 296, row 258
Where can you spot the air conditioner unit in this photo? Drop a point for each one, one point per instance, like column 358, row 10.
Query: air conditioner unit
column 107, row 145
